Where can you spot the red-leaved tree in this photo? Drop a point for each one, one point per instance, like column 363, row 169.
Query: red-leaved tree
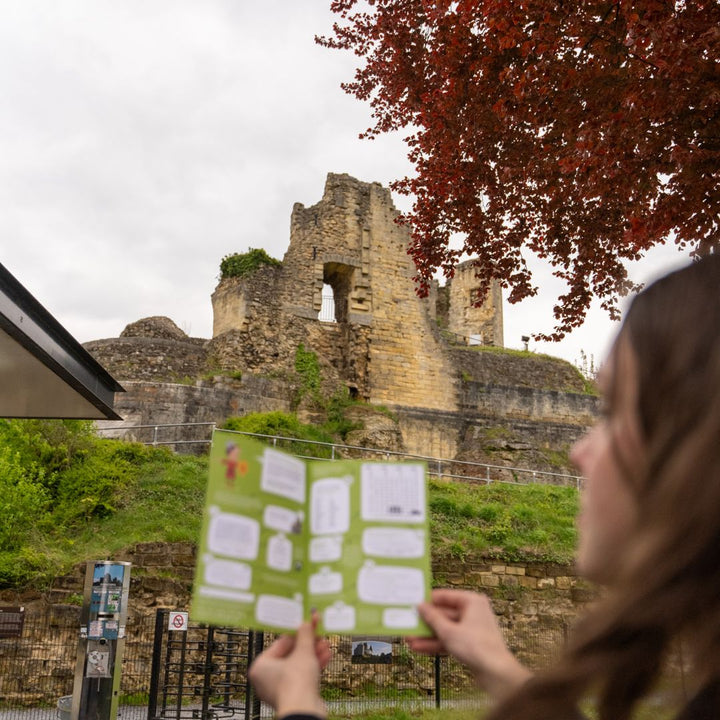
column 585, row 131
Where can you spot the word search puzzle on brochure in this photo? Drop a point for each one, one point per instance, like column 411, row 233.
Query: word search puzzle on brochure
column 282, row 536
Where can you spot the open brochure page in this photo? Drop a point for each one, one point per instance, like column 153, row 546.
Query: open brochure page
column 368, row 552
column 281, row 536
column 252, row 550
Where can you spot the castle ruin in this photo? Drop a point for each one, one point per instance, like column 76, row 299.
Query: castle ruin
column 380, row 340
column 384, row 342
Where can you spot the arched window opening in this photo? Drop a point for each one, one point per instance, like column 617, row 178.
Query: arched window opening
column 339, row 277
column 327, row 309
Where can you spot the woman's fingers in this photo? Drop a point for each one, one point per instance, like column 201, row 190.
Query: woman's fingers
column 426, row 646
column 322, row 652
column 280, row 647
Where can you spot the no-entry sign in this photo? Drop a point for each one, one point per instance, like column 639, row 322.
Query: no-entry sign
column 178, row 621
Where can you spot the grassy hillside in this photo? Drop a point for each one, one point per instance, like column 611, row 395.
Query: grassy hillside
column 514, row 522
column 67, row 496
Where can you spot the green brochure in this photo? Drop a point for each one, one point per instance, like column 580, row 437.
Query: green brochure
column 281, row 536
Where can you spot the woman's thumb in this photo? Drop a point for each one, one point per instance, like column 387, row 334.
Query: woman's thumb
column 305, row 638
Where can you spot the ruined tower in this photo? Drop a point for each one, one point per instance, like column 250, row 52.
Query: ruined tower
column 471, row 324
column 382, row 340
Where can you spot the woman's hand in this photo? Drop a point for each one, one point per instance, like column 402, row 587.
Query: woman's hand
column 465, row 626
column 287, row 674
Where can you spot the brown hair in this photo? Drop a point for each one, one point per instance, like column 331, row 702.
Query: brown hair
column 669, row 585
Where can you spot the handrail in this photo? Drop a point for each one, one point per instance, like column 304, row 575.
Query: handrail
column 437, row 471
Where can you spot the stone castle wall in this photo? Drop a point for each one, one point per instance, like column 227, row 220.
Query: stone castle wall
column 210, row 401
column 536, row 603
column 150, row 359
column 481, row 325
column 384, row 345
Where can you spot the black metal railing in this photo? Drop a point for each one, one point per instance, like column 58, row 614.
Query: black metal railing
column 176, row 436
column 36, row 670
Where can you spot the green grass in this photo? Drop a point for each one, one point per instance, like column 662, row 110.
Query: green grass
column 397, row 713
column 80, row 497
column 516, row 522
column 646, row 712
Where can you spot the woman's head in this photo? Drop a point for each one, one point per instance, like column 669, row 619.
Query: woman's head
column 650, row 518
column 660, row 432
column 609, row 457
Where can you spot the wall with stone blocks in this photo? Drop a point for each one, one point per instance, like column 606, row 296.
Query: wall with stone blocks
column 523, row 403
column 148, row 358
column 535, row 604
column 146, row 403
column 389, row 348
column 483, row 323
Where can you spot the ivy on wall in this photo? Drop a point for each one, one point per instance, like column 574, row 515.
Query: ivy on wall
column 308, row 369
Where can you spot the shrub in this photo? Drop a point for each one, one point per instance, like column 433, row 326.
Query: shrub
column 285, row 425
column 24, row 500
column 93, row 488
column 308, row 369
column 239, row 264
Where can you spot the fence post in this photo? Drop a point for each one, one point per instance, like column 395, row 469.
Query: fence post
column 155, row 430
column 181, row 673
column 208, row 672
column 156, row 662
column 437, row 681
column 259, row 645
column 248, row 687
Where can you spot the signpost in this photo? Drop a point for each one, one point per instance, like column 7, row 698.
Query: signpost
column 101, row 641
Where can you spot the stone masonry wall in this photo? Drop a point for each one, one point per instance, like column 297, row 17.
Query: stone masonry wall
column 251, row 305
column 384, row 346
column 408, row 362
column 484, row 323
column 208, row 401
column 151, row 359
column 515, row 369
column 536, row 604
column 493, row 437
column 527, row 403
column 387, row 348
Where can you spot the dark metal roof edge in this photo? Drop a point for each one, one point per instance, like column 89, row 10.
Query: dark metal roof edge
column 23, row 317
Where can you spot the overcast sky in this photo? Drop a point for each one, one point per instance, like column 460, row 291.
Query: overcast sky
column 143, row 141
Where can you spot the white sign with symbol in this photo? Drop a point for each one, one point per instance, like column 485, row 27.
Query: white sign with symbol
column 178, row 621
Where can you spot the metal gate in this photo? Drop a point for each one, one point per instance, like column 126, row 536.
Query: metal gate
column 200, row 673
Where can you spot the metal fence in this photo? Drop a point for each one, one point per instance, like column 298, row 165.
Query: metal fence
column 37, row 668
column 180, row 436
column 36, row 671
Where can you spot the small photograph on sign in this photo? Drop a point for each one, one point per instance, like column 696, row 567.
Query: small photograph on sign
column 108, row 575
column 107, row 588
column 371, row 652
column 178, row 621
